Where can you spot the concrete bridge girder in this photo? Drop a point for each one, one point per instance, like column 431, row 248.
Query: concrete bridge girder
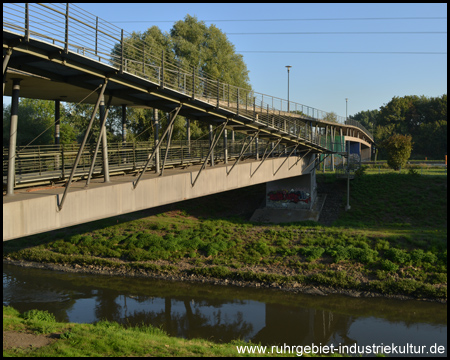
column 31, row 213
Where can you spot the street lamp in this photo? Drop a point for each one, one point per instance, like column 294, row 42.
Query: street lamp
column 288, row 68
column 346, row 116
column 347, row 207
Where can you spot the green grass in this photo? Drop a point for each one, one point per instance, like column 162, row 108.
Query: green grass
column 393, row 241
column 106, row 339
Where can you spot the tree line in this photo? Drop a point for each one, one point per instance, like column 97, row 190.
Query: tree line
column 422, row 118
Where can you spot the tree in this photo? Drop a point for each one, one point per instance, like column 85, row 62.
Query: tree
column 331, row 117
column 35, row 122
column 398, row 149
column 425, row 119
column 209, row 50
column 368, row 119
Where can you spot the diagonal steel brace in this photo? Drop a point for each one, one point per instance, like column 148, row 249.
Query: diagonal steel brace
column 243, row 151
column 169, row 138
column 80, row 151
column 91, row 170
column 135, row 183
column 264, row 159
column 312, row 162
column 213, row 145
column 300, row 158
column 296, row 146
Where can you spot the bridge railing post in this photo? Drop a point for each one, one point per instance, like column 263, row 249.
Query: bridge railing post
column 66, row 34
column 27, row 22
column 121, row 52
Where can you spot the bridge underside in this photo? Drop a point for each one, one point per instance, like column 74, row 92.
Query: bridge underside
column 28, row 213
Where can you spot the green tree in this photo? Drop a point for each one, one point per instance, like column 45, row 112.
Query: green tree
column 331, row 117
column 425, row 119
column 398, row 149
column 35, row 122
column 368, row 119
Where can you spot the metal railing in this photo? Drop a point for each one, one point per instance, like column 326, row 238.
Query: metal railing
column 76, row 30
column 53, row 163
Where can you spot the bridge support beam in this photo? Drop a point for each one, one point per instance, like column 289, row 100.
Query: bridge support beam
column 13, row 138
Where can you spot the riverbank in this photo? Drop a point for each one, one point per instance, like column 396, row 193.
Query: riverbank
column 392, row 243
column 36, row 333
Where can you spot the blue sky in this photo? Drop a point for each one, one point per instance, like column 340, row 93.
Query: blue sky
column 317, row 79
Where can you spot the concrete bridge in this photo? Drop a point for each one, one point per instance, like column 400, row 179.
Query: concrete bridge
column 65, row 64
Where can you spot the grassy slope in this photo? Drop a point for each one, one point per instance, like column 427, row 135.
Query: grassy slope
column 393, row 240
column 105, row 339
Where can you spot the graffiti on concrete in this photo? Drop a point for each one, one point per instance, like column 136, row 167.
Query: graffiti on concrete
column 293, row 195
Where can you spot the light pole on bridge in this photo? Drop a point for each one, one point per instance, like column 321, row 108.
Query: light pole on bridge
column 288, row 68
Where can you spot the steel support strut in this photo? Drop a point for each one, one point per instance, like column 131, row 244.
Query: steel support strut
column 156, row 147
column 295, row 148
column 102, row 128
column 5, row 66
column 312, row 162
column 264, row 158
column 80, row 151
column 243, row 151
column 169, row 138
column 300, row 158
column 213, row 145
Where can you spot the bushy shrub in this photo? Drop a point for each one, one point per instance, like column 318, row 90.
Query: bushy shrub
column 312, row 252
column 398, row 255
column 389, row 265
column 39, row 315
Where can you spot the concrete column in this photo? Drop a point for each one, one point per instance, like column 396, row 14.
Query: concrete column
column 156, row 137
column 225, row 144
column 124, row 132
column 232, row 136
column 13, row 138
column 57, row 121
column 211, row 144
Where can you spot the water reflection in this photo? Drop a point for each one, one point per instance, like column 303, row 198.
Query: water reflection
column 225, row 313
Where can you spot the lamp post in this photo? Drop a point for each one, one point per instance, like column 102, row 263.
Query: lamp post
column 347, row 207
column 346, row 116
column 288, row 68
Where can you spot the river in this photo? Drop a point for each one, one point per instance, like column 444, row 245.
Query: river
column 224, row 313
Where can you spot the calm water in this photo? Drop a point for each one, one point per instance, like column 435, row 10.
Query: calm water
column 223, row 313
